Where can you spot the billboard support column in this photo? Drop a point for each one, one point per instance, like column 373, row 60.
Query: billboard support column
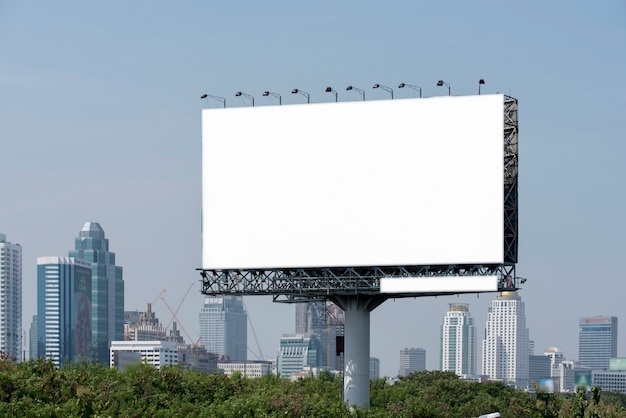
column 356, row 379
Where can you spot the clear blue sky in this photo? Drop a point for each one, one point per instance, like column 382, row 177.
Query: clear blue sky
column 100, row 121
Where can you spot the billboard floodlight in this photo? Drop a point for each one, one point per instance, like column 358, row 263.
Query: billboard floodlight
column 206, row 96
column 240, row 93
column 278, row 96
column 362, row 92
column 410, row 86
column 304, row 93
column 332, row 90
column 388, row 89
column 441, row 83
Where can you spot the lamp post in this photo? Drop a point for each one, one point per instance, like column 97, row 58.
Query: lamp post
column 443, row 83
column 304, row 93
column 480, row 83
column 362, row 92
column 206, row 96
column 240, row 93
column 388, row 89
column 332, row 90
column 278, row 96
column 410, row 86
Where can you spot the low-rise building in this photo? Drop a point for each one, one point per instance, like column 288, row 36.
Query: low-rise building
column 251, row 369
column 155, row 353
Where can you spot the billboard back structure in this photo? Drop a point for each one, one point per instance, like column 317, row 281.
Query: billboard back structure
column 379, row 183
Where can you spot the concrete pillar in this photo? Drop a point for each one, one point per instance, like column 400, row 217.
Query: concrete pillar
column 356, row 384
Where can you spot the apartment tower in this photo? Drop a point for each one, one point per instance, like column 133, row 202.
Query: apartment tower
column 505, row 351
column 458, row 341
column 10, row 299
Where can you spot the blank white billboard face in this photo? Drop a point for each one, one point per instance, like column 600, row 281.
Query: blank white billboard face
column 369, row 183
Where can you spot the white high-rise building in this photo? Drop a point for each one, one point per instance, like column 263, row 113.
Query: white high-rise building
column 224, row 327
column 556, row 358
column 458, row 341
column 10, row 298
column 506, row 344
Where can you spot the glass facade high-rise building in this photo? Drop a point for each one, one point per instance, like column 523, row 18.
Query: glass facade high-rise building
column 107, row 288
column 506, row 345
column 312, row 321
column 458, row 341
column 63, row 309
column 10, row 298
column 412, row 360
column 597, row 341
column 224, row 327
column 32, row 339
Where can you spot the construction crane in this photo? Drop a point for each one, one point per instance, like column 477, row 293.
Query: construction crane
column 177, row 320
column 179, row 305
column 254, row 334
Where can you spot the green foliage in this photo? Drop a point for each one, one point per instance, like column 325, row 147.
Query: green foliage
column 86, row 389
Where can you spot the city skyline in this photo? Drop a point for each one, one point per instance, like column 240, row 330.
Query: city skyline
column 103, row 125
column 300, row 313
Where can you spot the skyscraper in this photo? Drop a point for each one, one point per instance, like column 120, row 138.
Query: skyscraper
column 10, row 298
column 412, row 360
column 107, row 288
column 458, row 341
column 224, row 328
column 597, row 341
column 32, row 340
column 312, row 320
column 63, row 309
column 506, row 345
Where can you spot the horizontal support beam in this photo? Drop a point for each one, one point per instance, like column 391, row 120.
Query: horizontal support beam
column 302, row 284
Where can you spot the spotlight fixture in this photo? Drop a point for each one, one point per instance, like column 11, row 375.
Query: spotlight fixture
column 206, row 96
column 362, row 92
column 304, row 93
column 441, row 83
column 240, row 93
column 332, row 90
column 410, row 86
column 387, row 89
column 269, row 93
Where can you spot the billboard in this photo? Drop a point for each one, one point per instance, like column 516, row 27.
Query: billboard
column 369, row 183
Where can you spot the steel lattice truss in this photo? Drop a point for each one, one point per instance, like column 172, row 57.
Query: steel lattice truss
column 511, row 163
column 305, row 284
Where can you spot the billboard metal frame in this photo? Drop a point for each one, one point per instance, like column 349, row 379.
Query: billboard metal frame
column 306, row 284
